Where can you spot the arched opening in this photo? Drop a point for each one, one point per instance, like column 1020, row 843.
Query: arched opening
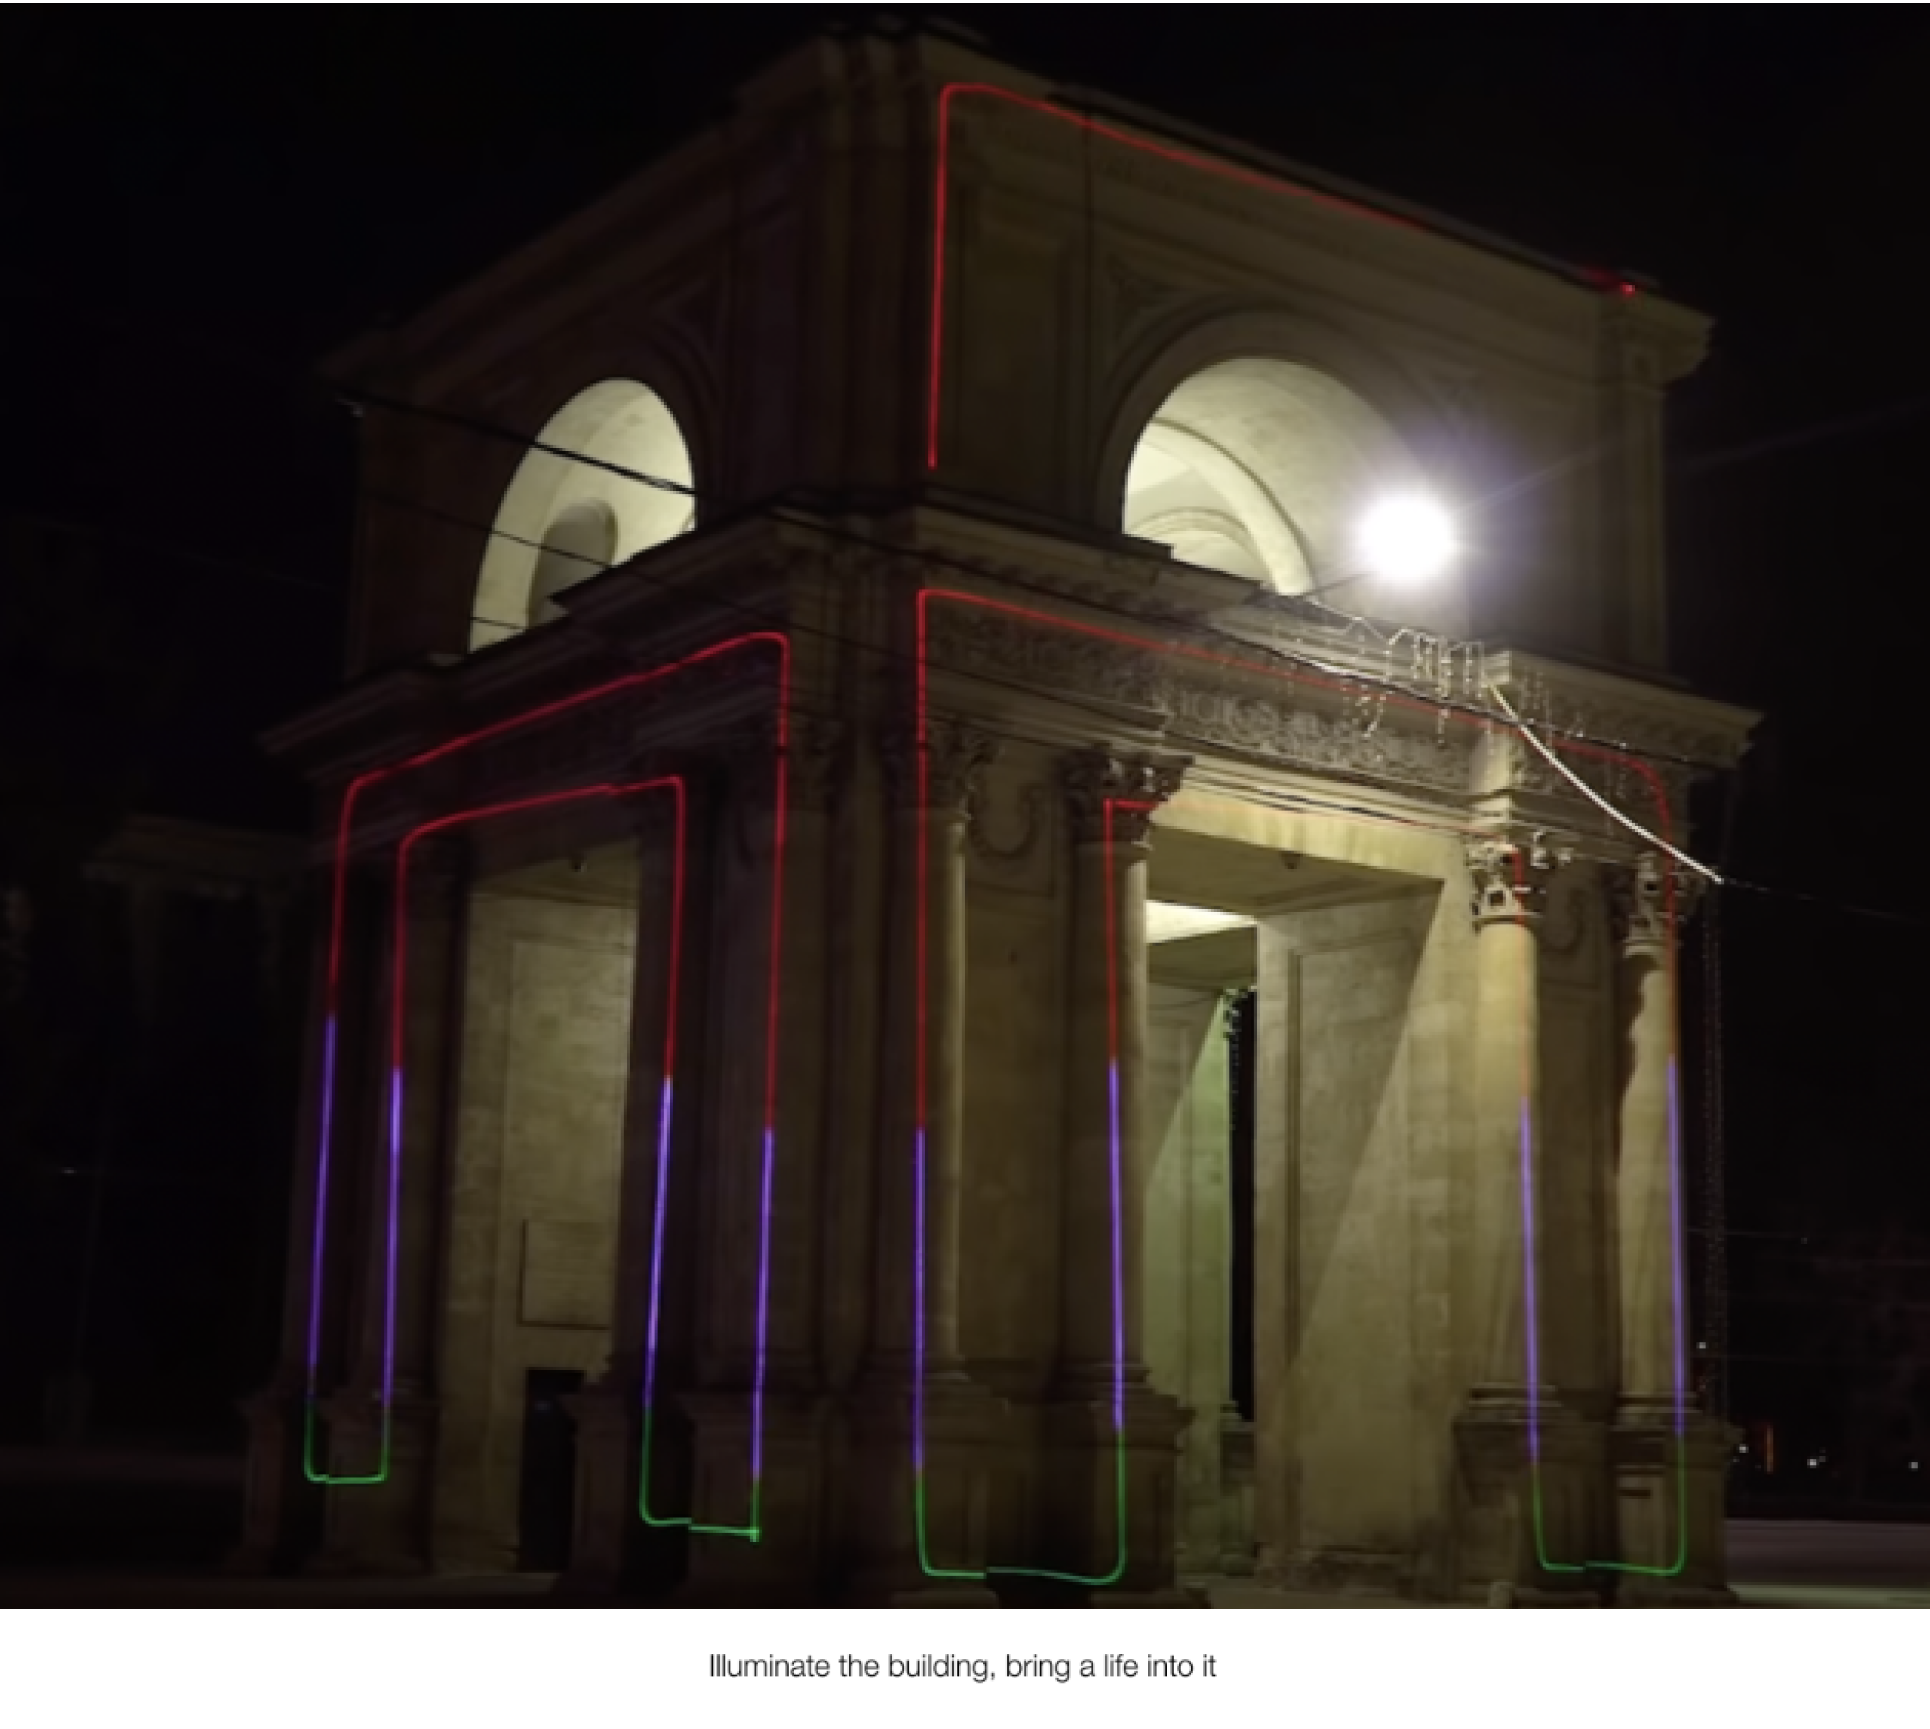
column 580, row 542
column 1264, row 469
column 562, row 521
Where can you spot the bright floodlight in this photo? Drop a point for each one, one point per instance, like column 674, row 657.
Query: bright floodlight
column 1406, row 540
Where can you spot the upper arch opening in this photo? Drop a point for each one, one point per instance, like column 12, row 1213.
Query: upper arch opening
column 561, row 521
column 1265, row 469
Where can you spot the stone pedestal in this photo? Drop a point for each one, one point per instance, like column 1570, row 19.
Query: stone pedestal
column 1495, row 1496
column 1128, row 1551
column 380, row 1528
column 1236, row 1495
column 1665, row 1490
column 963, row 1425
column 613, row 1552
column 776, row 1489
column 281, row 1515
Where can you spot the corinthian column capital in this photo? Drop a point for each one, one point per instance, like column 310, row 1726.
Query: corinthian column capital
column 1114, row 797
column 1639, row 902
column 955, row 757
column 1509, row 882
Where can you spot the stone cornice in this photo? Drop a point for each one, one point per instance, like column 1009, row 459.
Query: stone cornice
column 1623, row 712
column 625, row 626
column 1114, row 573
column 374, row 716
column 1647, row 340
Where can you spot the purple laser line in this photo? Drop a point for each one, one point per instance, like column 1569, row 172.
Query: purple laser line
column 395, row 1195
column 918, row 1306
column 321, row 1211
column 656, row 1247
column 1675, row 1261
column 1118, row 1254
column 763, row 1330
column 1528, row 1284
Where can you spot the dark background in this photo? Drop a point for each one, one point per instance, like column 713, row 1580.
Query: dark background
column 195, row 202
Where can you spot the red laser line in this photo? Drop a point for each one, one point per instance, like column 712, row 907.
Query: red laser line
column 1251, row 178
column 399, row 982
column 1187, row 651
column 372, row 777
column 1247, row 177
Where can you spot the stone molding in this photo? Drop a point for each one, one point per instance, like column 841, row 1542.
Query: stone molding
column 1034, row 816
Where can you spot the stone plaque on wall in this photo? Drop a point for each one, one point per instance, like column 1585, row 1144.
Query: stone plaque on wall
column 567, row 1273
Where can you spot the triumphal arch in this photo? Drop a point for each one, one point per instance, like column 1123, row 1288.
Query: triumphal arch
column 1000, row 884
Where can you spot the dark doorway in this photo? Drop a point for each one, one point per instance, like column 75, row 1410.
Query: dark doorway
column 1242, row 1023
column 547, row 1501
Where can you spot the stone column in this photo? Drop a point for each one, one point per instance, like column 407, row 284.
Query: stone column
column 1104, row 1409
column 384, row 1527
column 1505, row 1443
column 922, row 1441
column 612, row 1546
column 281, row 1510
column 1647, row 1229
column 1510, row 892
column 1187, row 1228
column 1669, row 1458
column 781, row 1445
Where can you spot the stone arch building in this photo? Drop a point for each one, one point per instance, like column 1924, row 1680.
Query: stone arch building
column 772, row 1133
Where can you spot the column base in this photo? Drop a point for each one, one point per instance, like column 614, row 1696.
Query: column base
column 964, row 1436
column 281, row 1518
column 1129, row 1549
column 1500, row 1542
column 614, row 1552
column 1669, row 1499
column 776, row 1486
column 377, row 1529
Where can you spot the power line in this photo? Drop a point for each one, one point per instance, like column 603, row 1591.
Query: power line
column 262, row 368
column 358, row 399
column 772, row 510
column 769, row 619
column 111, row 537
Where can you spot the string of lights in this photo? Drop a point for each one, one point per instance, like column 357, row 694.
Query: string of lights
column 752, row 614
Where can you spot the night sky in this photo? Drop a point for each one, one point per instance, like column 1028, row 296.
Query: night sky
column 195, row 202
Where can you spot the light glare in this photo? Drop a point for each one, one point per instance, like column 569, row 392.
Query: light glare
column 1406, row 540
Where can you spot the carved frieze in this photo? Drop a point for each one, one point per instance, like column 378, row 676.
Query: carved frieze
column 1267, row 720
column 999, row 647
column 1342, row 744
